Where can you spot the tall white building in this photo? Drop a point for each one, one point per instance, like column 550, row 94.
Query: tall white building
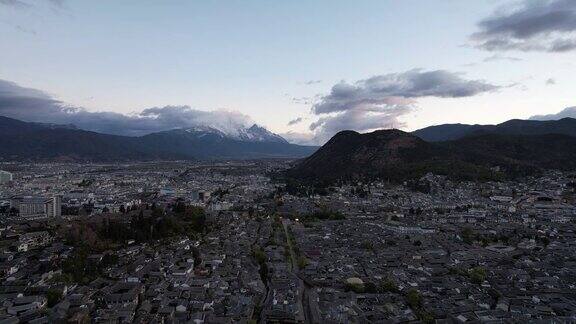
column 54, row 207
column 5, row 177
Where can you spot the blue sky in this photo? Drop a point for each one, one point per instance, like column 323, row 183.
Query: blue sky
column 275, row 60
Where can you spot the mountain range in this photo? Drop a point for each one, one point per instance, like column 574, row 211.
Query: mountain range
column 448, row 132
column 36, row 141
column 510, row 149
column 457, row 150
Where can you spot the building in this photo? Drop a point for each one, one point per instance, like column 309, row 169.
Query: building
column 54, row 207
column 204, row 196
column 33, row 239
column 5, row 177
column 37, row 207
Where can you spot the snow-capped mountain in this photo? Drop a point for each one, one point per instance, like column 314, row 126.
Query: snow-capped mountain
column 202, row 131
column 254, row 133
column 258, row 133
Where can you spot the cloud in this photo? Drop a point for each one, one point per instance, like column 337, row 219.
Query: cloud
column 25, row 30
column 379, row 101
column 301, row 138
column 25, row 5
column 305, row 100
column 496, row 58
column 36, row 106
column 15, row 4
column 295, row 121
column 569, row 112
column 19, row 4
column 531, row 25
column 359, row 120
column 493, row 58
column 57, row 3
column 398, row 89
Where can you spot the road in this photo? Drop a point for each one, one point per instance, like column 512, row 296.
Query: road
column 296, row 271
column 290, row 247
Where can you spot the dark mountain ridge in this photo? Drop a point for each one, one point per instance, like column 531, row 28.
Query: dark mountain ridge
column 398, row 156
column 448, row 132
column 32, row 141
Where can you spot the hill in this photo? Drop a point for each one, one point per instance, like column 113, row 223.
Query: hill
column 398, row 156
column 548, row 151
column 449, row 132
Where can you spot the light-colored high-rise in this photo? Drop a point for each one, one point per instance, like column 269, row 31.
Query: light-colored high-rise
column 5, row 177
column 37, row 207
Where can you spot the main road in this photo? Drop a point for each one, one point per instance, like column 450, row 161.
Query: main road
column 304, row 300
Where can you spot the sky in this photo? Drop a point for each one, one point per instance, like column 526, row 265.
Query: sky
column 304, row 69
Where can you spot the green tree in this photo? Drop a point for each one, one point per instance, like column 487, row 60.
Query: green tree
column 53, row 296
column 413, row 298
column 477, row 275
column 179, row 207
column 357, row 288
column 259, row 255
column 367, row 245
column 388, row 285
column 302, row 262
column 467, row 235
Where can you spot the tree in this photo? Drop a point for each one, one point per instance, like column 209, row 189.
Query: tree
column 477, row 275
column 371, row 288
column 157, row 211
column 180, row 206
column 197, row 216
column 259, row 255
column 53, row 296
column 302, row 262
column 388, row 285
column 367, row 245
column 545, row 240
column 355, row 287
column 323, row 214
column 108, row 260
column 413, row 298
column 467, row 235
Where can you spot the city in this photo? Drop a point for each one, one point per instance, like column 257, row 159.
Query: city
column 287, row 162
column 224, row 242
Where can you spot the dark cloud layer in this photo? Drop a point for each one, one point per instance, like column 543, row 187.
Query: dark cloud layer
column 379, row 102
column 568, row 112
column 532, row 25
column 399, row 89
column 36, row 106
